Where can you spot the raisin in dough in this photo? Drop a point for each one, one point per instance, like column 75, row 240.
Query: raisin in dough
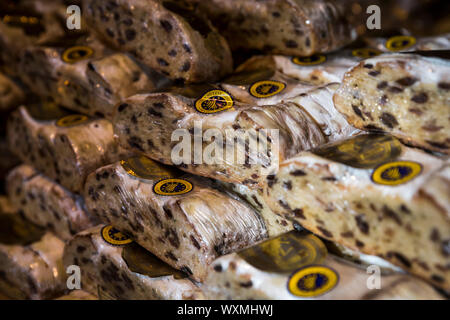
column 407, row 96
column 239, row 276
column 11, row 95
column 187, row 231
column 299, row 27
column 145, row 123
column 106, row 272
column 30, row 259
column 65, row 152
column 47, row 204
column 377, row 197
column 164, row 35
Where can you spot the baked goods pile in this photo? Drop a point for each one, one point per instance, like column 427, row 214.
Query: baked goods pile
column 222, row 149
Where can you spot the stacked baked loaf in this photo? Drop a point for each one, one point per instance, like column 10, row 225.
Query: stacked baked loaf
column 148, row 165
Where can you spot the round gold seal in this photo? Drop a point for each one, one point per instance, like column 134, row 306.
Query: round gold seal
column 310, row 61
column 145, row 168
column 396, row 173
column 266, row 88
column 114, row 237
column 286, row 253
column 77, row 53
column 214, row 101
column 172, row 187
column 72, row 120
column 399, row 43
column 312, row 281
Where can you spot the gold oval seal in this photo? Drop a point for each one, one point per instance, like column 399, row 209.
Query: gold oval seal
column 72, row 120
column 364, row 152
column 77, row 53
column 310, row 61
column 214, row 101
column 286, row 253
column 366, row 53
column 172, row 187
column 114, row 237
column 399, row 43
column 266, row 88
column 396, row 173
column 145, row 168
column 312, row 281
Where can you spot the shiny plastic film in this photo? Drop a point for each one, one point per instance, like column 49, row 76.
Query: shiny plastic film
column 249, row 141
column 47, row 204
column 126, row 271
column 30, row 258
column 65, row 147
column 180, row 218
column 405, row 95
column 394, row 195
column 297, row 266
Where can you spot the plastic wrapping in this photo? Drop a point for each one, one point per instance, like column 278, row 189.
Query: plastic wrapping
column 30, row 258
column 47, row 204
column 287, row 129
column 66, row 149
column 83, row 75
column 373, row 195
column 275, row 224
column 405, row 42
column 114, row 267
column 183, row 45
column 297, row 266
column 300, row 27
column 178, row 217
column 405, row 95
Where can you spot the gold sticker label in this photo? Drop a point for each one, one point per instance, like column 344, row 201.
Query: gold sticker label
column 72, row 120
column 214, row 101
column 399, row 43
column 114, row 237
column 143, row 262
column 312, row 281
column 364, row 152
column 77, row 53
column 286, row 253
column 310, row 61
column 172, row 187
column 366, row 53
column 145, row 168
column 396, row 173
column 266, row 88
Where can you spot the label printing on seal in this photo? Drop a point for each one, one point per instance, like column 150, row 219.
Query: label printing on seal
column 363, row 152
column 396, row 173
column 399, row 43
column 114, row 237
column 145, row 168
column 72, row 120
column 77, row 53
column 286, row 253
column 172, row 187
column 312, row 281
column 366, row 53
column 143, row 262
column 310, row 61
column 266, row 88
column 214, row 101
